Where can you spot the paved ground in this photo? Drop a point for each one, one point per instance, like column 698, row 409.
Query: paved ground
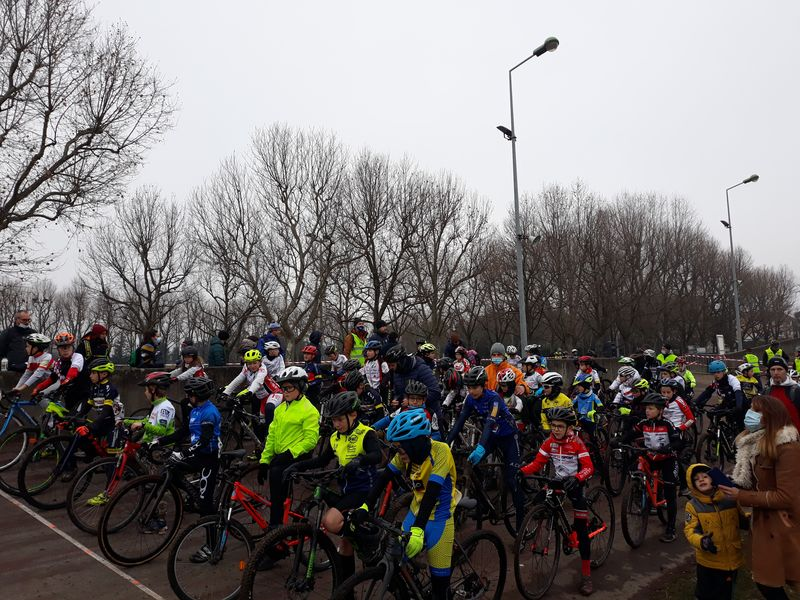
column 37, row 563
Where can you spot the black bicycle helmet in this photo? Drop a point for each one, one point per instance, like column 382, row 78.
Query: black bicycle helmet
column 416, row 388
column 562, row 413
column 351, row 365
column 654, row 399
column 352, row 380
column 189, row 351
column 445, row 363
column 475, row 376
column 330, row 350
column 201, row 387
column 341, row 404
column 394, row 354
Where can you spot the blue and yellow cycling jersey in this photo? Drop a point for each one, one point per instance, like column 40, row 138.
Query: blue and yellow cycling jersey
column 440, row 468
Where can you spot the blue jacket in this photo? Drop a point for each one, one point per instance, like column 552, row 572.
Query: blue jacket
column 422, row 373
column 269, row 337
column 491, row 409
column 585, row 403
column 204, row 428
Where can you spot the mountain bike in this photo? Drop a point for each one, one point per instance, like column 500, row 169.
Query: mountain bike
column 238, row 426
column 478, row 569
column 646, row 493
column 716, row 446
column 546, row 533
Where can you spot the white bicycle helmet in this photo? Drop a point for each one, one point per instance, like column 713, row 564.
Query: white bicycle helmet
column 511, row 350
column 627, row 371
column 38, row 339
column 506, row 376
column 272, row 345
column 552, row 378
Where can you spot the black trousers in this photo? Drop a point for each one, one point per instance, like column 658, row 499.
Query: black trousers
column 277, row 487
column 714, row 584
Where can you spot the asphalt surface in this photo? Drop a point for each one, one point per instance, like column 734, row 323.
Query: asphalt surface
column 53, row 559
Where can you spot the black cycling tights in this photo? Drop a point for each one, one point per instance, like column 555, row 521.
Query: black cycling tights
column 440, row 587
column 772, row 593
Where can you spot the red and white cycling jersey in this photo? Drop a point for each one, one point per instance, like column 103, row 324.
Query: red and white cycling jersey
column 37, row 370
column 569, row 456
column 678, row 413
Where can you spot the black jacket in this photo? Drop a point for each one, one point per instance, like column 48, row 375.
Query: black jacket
column 12, row 347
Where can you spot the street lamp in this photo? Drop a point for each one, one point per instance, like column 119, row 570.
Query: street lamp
column 549, row 45
column 729, row 226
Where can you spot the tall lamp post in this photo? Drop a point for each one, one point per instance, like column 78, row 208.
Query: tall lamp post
column 729, row 226
column 549, row 45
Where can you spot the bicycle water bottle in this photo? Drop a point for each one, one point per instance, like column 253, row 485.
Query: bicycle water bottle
column 4, row 364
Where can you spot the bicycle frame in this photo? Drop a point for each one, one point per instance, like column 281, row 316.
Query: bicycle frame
column 16, row 408
column 652, row 481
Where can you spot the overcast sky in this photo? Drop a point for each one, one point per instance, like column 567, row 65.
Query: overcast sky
column 681, row 98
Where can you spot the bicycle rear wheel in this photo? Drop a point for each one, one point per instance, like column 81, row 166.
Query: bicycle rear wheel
column 479, row 567
column 537, row 550
column 601, row 524
column 14, row 425
column 139, row 522
column 84, row 503
column 617, row 471
column 282, row 557
column 42, row 480
column 13, row 447
column 635, row 512
column 366, row 585
column 207, row 559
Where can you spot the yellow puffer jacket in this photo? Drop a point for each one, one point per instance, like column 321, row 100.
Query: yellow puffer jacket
column 718, row 515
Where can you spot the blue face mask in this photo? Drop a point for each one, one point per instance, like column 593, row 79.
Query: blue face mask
column 752, row 420
column 497, row 359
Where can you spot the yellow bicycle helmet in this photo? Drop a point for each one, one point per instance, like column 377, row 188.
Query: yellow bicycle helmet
column 253, row 355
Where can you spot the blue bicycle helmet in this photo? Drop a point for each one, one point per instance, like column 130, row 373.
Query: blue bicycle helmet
column 408, row 425
column 584, row 379
column 372, row 345
column 717, row 366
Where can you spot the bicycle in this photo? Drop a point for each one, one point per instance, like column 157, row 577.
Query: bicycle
column 238, row 426
column 645, row 493
column 717, row 445
column 478, row 569
column 546, row 532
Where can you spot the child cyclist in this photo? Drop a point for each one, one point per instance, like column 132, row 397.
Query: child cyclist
column 161, row 420
column 191, row 365
column 337, row 360
column 662, row 441
column 499, row 431
column 414, row 399
column 255, row 383
column 751, row 385
column 358, row 451
column 315, row 372
column 573, row 468
column 461, row 364
column 273, row 359
column 712, row 528
column 38, row 367
column 586, row 402
column 430, row 467
column 375, row 368
column 532, row 375
column 678, row 412
column 551, row 397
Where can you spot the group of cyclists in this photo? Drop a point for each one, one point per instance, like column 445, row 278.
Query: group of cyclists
column 403, row 410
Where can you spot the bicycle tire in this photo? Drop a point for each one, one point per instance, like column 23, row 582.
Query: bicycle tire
column 601, row 511
column 617, row 471
column 82, row 515
column 635, row 508
column 284, row 548
column 220, row 579
column 707, row 453
column 374, row 576
column 28, row 437
column 14, row 424
column 119, row 516
column 539, row 528
column 467, row 583
column 43, row 461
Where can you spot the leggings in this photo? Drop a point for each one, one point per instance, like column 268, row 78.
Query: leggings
column 581, row 521
column 509, row 447
column 772, row 593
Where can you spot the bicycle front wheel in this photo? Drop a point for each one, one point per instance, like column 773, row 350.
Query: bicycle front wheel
column 207, row 559
column 283, row 556
column 710, row 452
column 367, row 584
column 635, row 512
column 479, row 567
column 43, row 479
column 600, row 525
column 13, row 447
column 91, row 490
column 140, row 521
column 537, row 550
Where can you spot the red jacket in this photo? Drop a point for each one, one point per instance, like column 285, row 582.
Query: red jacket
column 569, row 456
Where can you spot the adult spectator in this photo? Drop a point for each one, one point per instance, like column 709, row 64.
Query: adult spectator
column 752, row 358
column 405, row 367
column 797, row 359
column 666, row 355
column 147, row 355
column 767, row 473
column 453, row 342
column 355, row 340
column 784, row 388
column 315, row 339
column 218, row 349
column 273, row 332
column 380, row 334
column 94, row 342
column 774, row 349
column 12, row 341
column 500, row 363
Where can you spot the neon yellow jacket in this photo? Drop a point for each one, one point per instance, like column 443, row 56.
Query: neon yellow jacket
column 294, row 427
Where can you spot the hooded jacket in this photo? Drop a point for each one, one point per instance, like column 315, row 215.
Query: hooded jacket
column 787, row 392
column 718, row 516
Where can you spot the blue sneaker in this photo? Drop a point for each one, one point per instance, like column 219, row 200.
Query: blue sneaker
column 156, row 526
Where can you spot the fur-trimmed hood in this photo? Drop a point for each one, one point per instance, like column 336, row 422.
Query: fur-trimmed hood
column 747, row 451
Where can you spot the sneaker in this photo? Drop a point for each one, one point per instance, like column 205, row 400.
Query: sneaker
column 202, row 555
column 99, row 500
column 586, row 587
column 68, row 476
column 668, row 537
column 156, row 526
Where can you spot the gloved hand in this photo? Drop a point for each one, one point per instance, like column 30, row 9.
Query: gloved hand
column 359, row 515
column 707, row 544
column 590, row 415
column 288, row 472
column 175, row 458
column 570, row 483
column 82, row 431
column 476, row 455
column 416, row 542
column 353, row 466
column 263, row 473
column 244, row 394
column 624, row 411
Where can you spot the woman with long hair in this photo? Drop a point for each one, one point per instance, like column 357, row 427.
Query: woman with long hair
column 767, row 473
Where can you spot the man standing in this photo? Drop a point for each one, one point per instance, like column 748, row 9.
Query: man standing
column 273, row 331
column 751, row 358
column 451, row 345
column 380, row 334
column 12, row 341
column 218, row 350
column 783, row 388
column 355, row 340
column 666, row 356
